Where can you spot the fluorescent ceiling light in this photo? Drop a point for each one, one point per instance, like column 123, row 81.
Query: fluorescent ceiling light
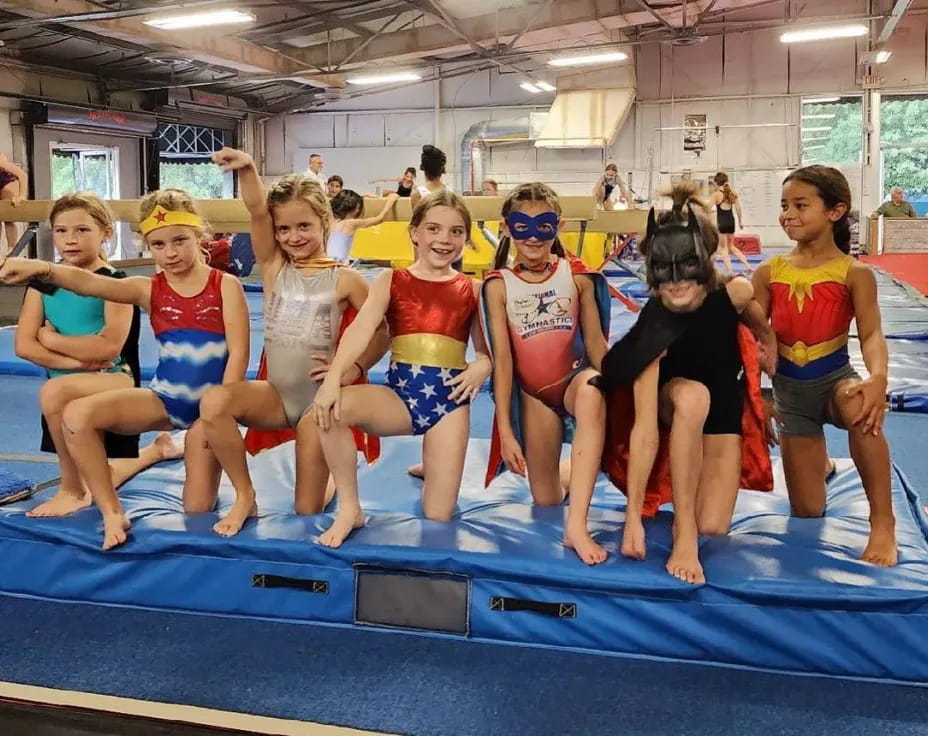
column 529, row 87
column 824, row 33
column 385, row 78
column 819, row 100
column 589, row 59
column 545, row 86
column 883, row 56
column 828, row 116
column 200, row 20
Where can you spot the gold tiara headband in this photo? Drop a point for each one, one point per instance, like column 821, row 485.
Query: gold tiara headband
column 162, row 218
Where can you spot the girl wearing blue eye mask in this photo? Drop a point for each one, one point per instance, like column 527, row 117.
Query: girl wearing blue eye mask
column 546, row 319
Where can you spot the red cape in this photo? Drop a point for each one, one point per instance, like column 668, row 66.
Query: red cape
column 756, row 468
column 257, row 440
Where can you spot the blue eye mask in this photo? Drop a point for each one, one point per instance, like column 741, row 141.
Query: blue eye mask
column 542, row 227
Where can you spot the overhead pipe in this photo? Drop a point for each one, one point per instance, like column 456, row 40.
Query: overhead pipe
column 478, row 137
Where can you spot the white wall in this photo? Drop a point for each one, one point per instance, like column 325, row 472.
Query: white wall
column 742, row 78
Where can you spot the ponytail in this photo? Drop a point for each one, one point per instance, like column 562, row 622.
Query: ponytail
column 841, row 232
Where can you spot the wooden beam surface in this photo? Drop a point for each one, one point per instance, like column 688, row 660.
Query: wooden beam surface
column 230, row 215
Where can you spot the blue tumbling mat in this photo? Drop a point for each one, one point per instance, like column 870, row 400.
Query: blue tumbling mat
column 782, row 593
column 13, row 487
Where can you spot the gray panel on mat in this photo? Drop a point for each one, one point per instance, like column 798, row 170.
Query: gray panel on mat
column 412, row 600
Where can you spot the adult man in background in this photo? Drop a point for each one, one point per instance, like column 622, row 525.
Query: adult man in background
column 315, row 170
column 897, row 206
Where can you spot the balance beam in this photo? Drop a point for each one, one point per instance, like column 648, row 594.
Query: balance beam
column 230, row 215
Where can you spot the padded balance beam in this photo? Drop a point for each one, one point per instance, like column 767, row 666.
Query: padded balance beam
column 230, row 215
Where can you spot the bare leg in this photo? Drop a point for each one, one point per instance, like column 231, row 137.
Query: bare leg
column 543, row 435
column 587, row 404
column 417, row 470
column 378, row 411
column 128, row 411
column 314, row 485
column 740, row 255
column 805, row 461
column 54, row 396
column 724, row 244
column 690, row 405
column 166, row 446
column 10, row 229
column 871, row 456
column 255, row 404
column 444, row 449
column 718, row 483
column 202, row 472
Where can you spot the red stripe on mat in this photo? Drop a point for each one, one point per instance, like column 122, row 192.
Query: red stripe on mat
column 909, row 267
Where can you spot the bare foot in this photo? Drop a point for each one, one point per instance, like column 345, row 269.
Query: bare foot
column 580, row 541
column 170, row 446
column 64, row 502
column 115, row 527
column 881, row 548
column 243, row 509
column 683, row 562
column 633, row 539
column 417, row 471
column 345, row 523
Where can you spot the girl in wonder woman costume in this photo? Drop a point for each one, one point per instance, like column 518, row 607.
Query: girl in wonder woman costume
column 200, row 320
column 431, row 310
column 812, row 294
column 305, row 297
column 547, row 318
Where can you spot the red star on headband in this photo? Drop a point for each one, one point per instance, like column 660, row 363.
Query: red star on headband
column 161, row 215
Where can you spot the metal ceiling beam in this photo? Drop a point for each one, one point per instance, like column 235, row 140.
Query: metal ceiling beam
column 96, row 15
column 894, row 17
column 309, row 23
column 563, row 20
column 225, row 51
column 645, row 5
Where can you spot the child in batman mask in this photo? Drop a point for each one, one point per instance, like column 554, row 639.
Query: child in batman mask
column 684, row 413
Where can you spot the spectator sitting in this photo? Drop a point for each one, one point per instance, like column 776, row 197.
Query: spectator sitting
column 334, row 185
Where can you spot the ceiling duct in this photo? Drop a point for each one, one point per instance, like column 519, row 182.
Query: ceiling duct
column 480, row 136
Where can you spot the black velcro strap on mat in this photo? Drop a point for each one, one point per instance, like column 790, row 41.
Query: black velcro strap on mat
column 279, row 581
column 546, row 608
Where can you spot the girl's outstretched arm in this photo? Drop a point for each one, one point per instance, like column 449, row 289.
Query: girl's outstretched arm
column 593, row 338
column 361, row 332
column 133, row 290
column 235, row 317
column 27, row 345
column 379, row 217
column 251, row 190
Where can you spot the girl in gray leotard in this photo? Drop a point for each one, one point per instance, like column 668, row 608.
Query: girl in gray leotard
column 305, row 296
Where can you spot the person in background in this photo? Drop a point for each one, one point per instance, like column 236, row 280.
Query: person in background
column 610, row 190
column 13, row 188
column 490, row 188
column 727, row 205
column 897, row 206
column 334, row 185
column 432, row 163
column 314, row 171
column 404, row 184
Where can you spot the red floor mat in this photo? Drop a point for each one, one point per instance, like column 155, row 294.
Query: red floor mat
column 909, row 267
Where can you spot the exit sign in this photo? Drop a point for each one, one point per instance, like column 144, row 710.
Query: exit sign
column 871, row 81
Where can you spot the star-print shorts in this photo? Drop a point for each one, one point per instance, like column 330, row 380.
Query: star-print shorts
column 422, row 389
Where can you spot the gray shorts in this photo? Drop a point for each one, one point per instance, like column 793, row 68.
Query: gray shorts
column 803, row 404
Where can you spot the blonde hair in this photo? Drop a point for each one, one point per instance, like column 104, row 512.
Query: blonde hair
column 174, row 200
column 532, row 192
column 309, row 192
column 92, row 205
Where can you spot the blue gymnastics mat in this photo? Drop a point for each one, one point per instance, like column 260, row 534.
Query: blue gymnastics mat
column 782, row 594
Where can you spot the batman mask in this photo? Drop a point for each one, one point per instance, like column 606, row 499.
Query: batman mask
column 676, row 252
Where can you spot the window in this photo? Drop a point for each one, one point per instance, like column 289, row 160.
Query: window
column 832, row 130
column 185, row 160
column 904, row 142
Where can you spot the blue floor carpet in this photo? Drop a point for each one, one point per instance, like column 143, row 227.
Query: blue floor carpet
column 424, row 685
